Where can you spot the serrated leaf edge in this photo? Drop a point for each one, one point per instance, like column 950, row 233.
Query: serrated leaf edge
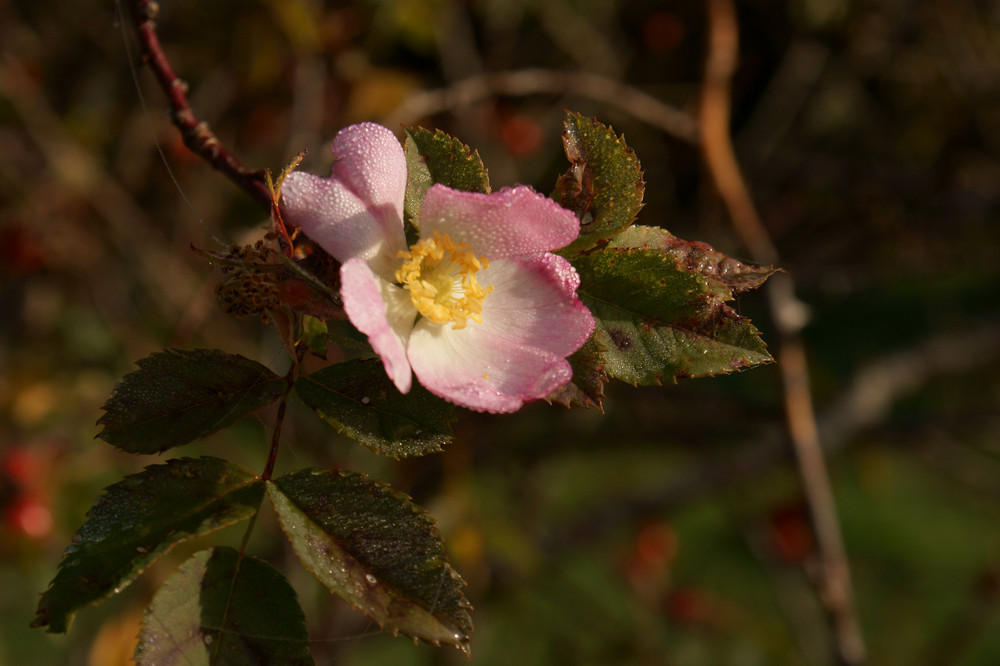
column 147, row 558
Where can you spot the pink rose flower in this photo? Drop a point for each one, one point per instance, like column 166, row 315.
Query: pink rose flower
column 478, row 308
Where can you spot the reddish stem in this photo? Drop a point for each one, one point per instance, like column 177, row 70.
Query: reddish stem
column 279, row 419
column 196, row 134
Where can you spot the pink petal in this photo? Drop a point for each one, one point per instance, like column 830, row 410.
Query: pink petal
column 510, row 222
column 358, row 210
column 371, row 163
column 331, row 215
column 480, row 370
column 534, row 302
column 384, row 313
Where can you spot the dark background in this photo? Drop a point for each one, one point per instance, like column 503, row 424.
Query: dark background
column 671, row 528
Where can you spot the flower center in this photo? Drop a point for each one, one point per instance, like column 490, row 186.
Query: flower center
column 440, row 275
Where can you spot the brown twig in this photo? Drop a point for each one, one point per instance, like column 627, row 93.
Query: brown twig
column 197, row 136
column 834, row 579
column 466, row 92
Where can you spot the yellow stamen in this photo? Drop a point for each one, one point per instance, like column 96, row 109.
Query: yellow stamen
column 440, row 275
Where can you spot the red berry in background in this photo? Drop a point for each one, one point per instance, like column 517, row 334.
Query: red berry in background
column 648, row 561
column 29, row 516
column 656, row 544
column 663, row 32
column 688, row 605
column 522, row 135
column 24, row 492
column 21, row 465
column 20, row 254
column 790, row 533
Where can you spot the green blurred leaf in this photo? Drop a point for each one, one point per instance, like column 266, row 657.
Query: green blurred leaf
column 660, row 311
column 177, row 396
column 140, row 518
column 604, row 185
column 377, row 550
column 221, row 608
column 358, row 399
column 315, row 334
column 435, row 157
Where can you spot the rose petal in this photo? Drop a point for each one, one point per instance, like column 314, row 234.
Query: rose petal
column 510, row 222
column 331, row 215
column 370, row 161
column 534, row 302
column 384, row 313
column 358, row 210
column 475, row 368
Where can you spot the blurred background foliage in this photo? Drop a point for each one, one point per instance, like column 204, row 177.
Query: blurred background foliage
column 668, row 530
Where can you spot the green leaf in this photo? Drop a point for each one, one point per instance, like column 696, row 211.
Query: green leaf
column 586, row 389
column 358, row 399
column 435, row 157
column 224, row 608
column 374, row 548
column 315, row 335
column 604, row 185
column 178, row 396
column 660, row 312
column 138, row 519
column 725, row 275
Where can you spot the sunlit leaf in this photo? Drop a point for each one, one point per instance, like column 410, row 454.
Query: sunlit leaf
column 726, row 275
column 604, row 185
column 138, row 519
column 178, row 396
column 358, row 399
column 660, row 313
column 435, row 157
column 315, row 335
column 221, row 608
column 374, row 548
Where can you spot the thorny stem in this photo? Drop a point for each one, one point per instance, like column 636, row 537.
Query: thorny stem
column 834, row 584
column 196, row 134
